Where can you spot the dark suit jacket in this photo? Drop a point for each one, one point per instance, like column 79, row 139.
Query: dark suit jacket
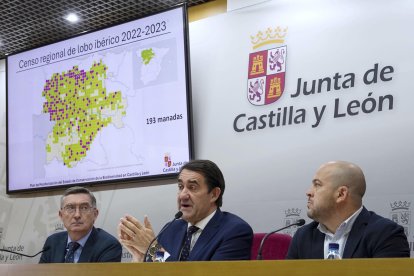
column 371, row 236
column 225, row 237
column 100, row 247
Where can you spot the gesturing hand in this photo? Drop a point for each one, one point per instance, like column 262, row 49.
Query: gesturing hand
column 136, row 237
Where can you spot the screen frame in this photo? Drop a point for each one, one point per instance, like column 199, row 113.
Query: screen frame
column 139, row 181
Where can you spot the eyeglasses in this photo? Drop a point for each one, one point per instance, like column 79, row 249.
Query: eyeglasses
column 83, row 208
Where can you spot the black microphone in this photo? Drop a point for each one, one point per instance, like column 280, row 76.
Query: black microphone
column 177, row 216
column 46, row 248
column 300, row 222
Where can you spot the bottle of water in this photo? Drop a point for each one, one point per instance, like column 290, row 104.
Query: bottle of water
column 333, row 252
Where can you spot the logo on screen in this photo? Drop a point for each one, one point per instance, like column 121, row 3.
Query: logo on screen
column 400, row 213
column 167, row 160
column 267, row 67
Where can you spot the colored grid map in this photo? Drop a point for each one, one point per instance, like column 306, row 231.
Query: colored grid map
column 80, row 107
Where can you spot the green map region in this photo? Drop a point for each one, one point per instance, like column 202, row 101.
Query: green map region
column 147, row 55
column 80, row 106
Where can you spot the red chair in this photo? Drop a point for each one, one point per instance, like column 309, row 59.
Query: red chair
column 275, row 247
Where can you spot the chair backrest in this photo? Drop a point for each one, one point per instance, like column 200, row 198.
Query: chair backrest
column 275, row 247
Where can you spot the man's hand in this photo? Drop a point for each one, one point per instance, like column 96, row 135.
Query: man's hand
column 136, row 237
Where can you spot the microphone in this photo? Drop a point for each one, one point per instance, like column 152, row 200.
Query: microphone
column 46, row 248
column 300, row 222
column 178, row 215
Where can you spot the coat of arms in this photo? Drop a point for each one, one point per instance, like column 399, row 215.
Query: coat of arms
column 266, row 79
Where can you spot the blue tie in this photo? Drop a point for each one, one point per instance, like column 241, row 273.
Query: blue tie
column 70, row 255
column 185, row 252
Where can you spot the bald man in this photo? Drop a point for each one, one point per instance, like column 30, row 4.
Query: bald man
column 335, row 205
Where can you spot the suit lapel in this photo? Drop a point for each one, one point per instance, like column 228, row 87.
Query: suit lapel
column 61, row 247
column 317, row 247
column 206, row 235
column 87, row 250
column 356, row 233
column 176, row 246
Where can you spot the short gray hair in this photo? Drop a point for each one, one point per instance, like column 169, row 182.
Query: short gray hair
column 78, row 190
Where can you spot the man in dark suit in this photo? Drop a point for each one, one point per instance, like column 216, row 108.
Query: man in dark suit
column 335, row 205
column 82, row 242
column 218, row 235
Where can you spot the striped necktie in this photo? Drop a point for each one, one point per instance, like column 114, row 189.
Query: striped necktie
column 185, row 252
column 70, row 255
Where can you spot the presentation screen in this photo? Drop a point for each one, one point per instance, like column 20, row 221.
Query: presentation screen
column 107, row 106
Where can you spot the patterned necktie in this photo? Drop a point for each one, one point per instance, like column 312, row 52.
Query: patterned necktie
column 185, row 252
column 70, row 256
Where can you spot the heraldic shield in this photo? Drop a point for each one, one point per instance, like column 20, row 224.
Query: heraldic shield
column 266, row 78
column 401, row 214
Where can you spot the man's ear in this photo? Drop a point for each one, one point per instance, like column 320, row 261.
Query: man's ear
column 96, row 212
column 342, row 193
column 215, row 193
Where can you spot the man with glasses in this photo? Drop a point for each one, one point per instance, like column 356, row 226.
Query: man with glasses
column 82, row 242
